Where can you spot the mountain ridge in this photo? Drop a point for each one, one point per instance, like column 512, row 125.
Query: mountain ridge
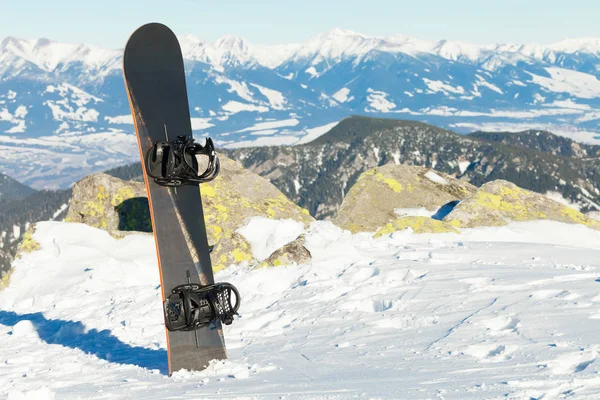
column 336, row 41
column 66, row 103
column 316, row 175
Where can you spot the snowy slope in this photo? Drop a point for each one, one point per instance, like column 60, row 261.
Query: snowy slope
column 494, row 313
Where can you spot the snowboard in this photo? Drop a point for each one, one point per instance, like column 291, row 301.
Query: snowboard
column 155, row 80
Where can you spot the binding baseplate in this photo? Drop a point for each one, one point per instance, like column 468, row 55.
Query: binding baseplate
column 192, row 306
column 175, row 163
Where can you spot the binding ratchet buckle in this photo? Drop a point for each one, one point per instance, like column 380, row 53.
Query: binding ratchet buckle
column 192, row 306
column 176, row 163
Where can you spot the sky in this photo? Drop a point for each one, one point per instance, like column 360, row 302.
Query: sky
column 108, row 23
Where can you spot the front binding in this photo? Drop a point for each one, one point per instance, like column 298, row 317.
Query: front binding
column 175, row 163
column 192, row 306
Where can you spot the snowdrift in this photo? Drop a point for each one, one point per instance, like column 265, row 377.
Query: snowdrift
column 503, row 312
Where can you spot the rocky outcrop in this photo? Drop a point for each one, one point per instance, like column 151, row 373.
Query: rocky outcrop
column 233, row 198
column 499, row 202
column 372, row 201
column 593, row 215
column 417, row 224
column 28, row 244
column 290, row 254
column 106, row 202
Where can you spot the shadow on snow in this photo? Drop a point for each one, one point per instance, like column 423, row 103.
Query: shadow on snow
column 98, row 343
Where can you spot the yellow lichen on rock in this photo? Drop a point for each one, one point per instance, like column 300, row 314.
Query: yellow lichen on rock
column 371, row 201
column 5, row 279
column 28, row 243
column 106, row 202
column 417, row 224
column 500, row 201
column 234, row 197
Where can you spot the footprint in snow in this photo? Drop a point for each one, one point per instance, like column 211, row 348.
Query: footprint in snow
column 490, row 352
column 571, row 363
column 502, row 324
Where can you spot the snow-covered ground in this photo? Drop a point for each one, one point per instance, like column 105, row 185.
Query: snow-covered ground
column 493, row 313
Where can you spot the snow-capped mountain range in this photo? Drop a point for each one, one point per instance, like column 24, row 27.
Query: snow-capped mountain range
column 64, row 111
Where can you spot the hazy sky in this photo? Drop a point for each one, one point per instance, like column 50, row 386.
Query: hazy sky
column 109, row 22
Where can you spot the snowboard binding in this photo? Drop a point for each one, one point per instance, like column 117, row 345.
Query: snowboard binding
column 174, row 163
column 192, row 306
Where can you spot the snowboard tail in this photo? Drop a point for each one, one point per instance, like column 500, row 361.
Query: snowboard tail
column 155, row 81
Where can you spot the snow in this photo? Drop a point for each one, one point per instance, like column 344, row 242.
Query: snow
column 200, row 123
column 378, row 101
column 433, row 177
column 313, row 133
column 17, row 118
column 271, row 125
column 231, row 49
column 267, row 235
column 502, row 312
column 275, row 98
column 16, row 231
column 239, row 88
column 575, row 83
column 439, row 86
column 463, row 165
column 236, row 107
column 279, row 140
column 266, row 132
column 342, row 95
column 482, row 82
column 49, row 55
column 312, row 72
column 59, row 211
column 71, row 156
column 120, row 119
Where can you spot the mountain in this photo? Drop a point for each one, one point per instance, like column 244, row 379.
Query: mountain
column 542, row 141
column 30, row 206
column 18, row 215
column 316, row 175
column 11, row 189
column 66, row 104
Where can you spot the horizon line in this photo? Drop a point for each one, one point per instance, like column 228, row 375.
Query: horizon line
column 330, row 31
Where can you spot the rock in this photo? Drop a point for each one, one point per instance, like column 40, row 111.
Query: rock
column 292, row 253
column 106, row 202
column 5, row 278
column 234, row 197
column 417, row 224
column 28, row 243
column 500, row 201
column 593, row 215
column 371, row 202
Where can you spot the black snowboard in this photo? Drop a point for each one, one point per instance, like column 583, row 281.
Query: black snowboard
column 155, row 81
